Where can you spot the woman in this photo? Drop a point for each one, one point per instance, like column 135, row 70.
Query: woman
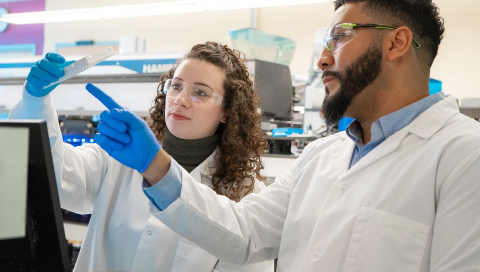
column 233, row 121
column 217, row 140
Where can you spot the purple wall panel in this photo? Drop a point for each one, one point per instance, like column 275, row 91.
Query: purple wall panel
column 19, row 34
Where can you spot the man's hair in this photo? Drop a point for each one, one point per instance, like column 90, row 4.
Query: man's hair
column 421, row 16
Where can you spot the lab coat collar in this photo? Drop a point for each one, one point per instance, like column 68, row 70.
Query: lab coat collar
column 206, row 168
column 433, row 119
column 424, row 126
column 342, row 153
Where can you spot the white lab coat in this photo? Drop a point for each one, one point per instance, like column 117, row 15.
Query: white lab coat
column 411, row 204
column 122, row 234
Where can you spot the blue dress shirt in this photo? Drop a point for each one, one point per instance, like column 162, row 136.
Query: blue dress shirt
column 167, row 190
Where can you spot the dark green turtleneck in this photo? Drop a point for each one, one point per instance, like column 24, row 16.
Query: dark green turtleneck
column 189, row 153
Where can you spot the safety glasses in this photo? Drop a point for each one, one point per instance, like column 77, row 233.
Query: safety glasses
column 339, row 35
column 197, row 93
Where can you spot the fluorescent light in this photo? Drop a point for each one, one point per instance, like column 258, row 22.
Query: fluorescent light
column 152, row 9
column 101, row 13
column 247, row 4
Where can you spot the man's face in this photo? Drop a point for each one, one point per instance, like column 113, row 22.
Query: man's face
column 352, row 68
column 352, row 81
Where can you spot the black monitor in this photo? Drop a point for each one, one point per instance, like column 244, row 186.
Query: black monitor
column 44, row 247
column 273, row 84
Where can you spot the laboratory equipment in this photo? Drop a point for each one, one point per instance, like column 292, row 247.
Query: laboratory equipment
column 268, row 58
column 272, row 82
column 261, row 45
column 313, row 120
column 282, row 132
column 44, row 247
column 131, row 79
column 471, row 107
column 435, row 86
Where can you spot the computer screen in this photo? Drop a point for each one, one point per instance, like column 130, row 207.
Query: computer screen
column 43, row 246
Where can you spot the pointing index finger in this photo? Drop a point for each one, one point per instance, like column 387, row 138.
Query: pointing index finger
column 102, row 97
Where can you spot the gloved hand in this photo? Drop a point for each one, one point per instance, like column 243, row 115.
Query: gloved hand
column 44, row 72
column 123, row 135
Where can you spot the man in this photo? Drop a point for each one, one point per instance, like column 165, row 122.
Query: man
column 399, row 191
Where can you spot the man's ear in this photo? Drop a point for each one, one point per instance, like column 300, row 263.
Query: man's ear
column 399, row 42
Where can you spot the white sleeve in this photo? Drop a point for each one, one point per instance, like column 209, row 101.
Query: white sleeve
column 240, row 233
column 79, row 171
column 456, row 230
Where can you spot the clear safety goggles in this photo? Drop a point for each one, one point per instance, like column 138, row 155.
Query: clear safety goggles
column 198, row 93
column 339, row 35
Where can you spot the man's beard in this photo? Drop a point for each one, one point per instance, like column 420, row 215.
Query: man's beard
column 360, row 74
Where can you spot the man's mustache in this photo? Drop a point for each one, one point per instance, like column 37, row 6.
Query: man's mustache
column 330, row 74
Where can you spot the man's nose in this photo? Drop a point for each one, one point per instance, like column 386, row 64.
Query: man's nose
column 325, row 60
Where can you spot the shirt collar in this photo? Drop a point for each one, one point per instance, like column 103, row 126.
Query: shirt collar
column 389, row 124
column 354, row 132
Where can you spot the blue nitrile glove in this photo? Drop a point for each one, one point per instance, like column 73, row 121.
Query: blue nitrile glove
column 44, row 72
column 123, row 135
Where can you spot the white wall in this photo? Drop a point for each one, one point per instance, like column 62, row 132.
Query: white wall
column 171, row 33
column 456, row 64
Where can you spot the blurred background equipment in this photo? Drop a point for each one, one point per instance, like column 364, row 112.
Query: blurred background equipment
column 268, row 58
column 313, row 121
column 261, row 45
column 471, row 107
column 273, row 84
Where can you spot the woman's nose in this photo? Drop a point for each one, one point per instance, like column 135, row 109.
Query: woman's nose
column 183, row 99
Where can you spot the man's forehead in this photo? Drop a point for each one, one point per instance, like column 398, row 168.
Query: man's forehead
column 350, row 13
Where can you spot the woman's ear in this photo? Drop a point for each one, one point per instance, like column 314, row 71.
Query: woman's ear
column 224, row 119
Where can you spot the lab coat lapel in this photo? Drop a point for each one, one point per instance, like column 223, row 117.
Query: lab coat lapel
column 382, row 150
column 205, row 167
column 342, row 154
column 424, row 126
column 196, row 173
column 343, row 150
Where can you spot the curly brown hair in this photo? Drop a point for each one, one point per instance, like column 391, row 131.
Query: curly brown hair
column 241, row 143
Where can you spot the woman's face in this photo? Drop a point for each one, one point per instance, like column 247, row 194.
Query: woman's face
column 188, row 118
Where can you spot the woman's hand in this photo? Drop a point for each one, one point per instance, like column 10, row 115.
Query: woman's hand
column 123, row 135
